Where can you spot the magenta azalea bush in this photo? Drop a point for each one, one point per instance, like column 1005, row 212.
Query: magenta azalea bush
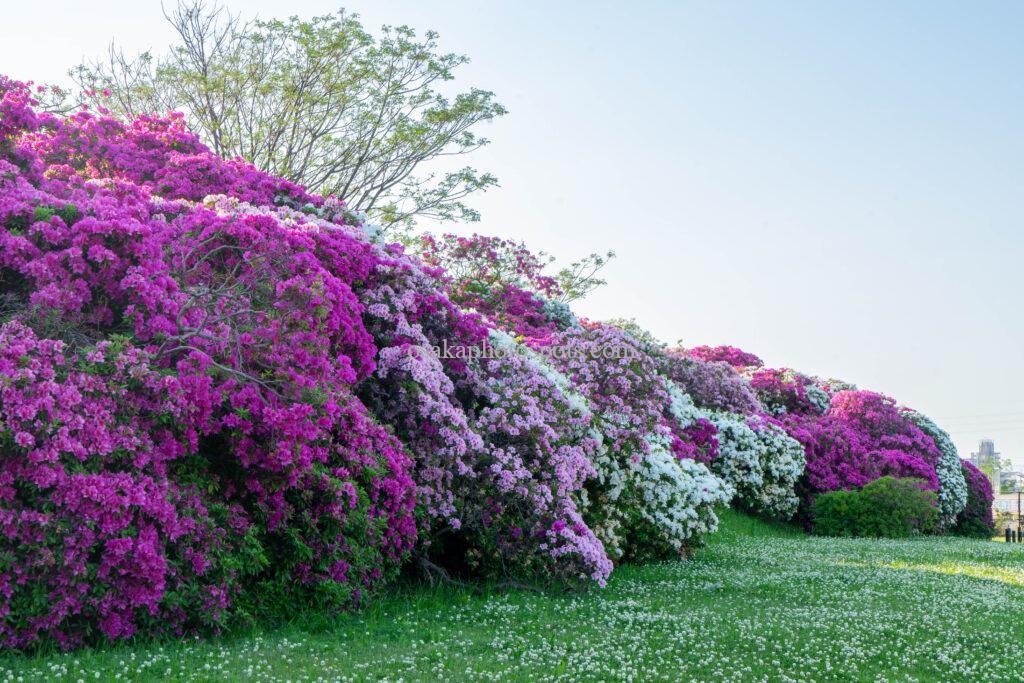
column 863, row 436
column 239, row 460
column 182, row 437
column 976, row 517
column 737, row 358
column 784, row 391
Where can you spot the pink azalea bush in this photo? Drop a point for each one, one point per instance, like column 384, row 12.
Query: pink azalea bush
column 738, row 358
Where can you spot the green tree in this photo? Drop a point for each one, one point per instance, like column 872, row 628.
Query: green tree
column 321, row 102
column 485, row 263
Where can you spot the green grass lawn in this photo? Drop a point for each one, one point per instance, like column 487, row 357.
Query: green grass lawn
column 759, row 603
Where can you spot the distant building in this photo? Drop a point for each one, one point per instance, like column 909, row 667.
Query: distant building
column 989, row 461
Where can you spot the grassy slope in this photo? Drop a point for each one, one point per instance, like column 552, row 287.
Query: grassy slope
column 761, row 602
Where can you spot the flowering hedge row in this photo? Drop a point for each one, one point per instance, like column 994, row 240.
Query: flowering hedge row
column 221, row 397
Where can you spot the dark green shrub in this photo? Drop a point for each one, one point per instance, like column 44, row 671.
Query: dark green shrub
column 885, row 508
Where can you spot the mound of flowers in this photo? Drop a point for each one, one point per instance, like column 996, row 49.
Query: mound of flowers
column 185, row 441
column 221, row 398
column 712, row 384
column 850, row 437
column 648, row 500
column 863, row 436
column 216, row 403
column 737, row 358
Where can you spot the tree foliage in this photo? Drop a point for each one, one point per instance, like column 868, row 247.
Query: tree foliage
column 320, row 101
column 485, row 263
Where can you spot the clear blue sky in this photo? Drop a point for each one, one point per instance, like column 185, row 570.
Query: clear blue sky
column 836, row 188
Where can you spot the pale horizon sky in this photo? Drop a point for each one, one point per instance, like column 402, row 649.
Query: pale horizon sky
column 835, row 188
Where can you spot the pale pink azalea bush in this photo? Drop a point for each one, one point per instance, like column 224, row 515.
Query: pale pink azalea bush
column 502, row 451
column 712, row 384
column 651, row 498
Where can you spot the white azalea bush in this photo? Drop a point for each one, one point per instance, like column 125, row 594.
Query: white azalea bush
column 559, row 313
column 818, row 397
column 739, row 458
column 759, row 462
column 952, row 492
column 783, row 461
column 669, row 502
column 681, row 405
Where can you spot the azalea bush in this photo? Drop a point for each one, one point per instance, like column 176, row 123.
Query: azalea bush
column 502, row 449
column 738, row 358
column 952, row 494
column 501, row 444
column 223, row 397
column 646, row 501
column 784, row 391
column 244, row 465
column 863, row 436
column 508, row 284
column 693, row 435
column 712, row 384
column 976, row 517
column 759, row 462
column 99, row 537
column 231, row 418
